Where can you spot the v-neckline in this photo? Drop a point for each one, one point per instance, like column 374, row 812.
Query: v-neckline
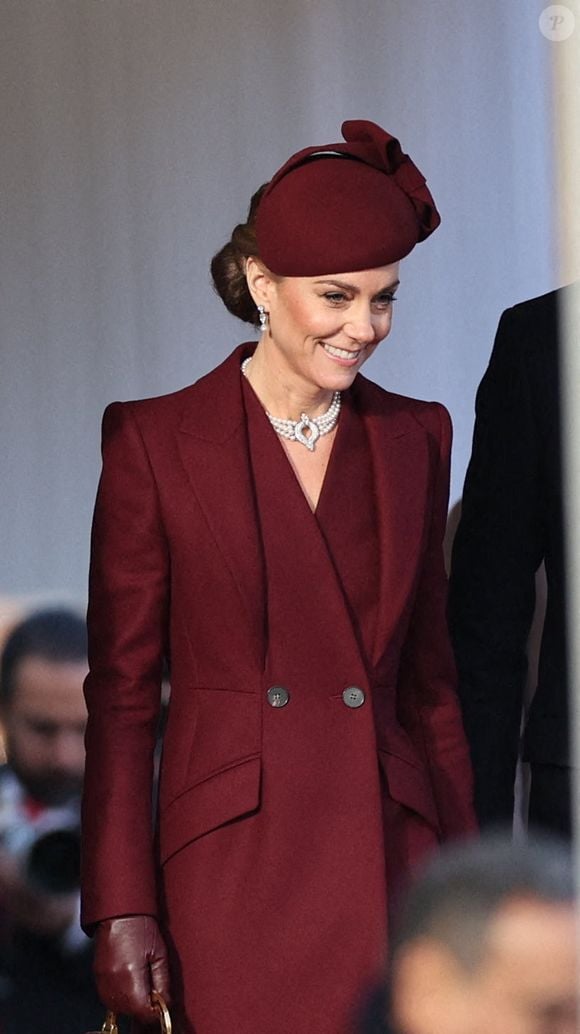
column 342, row 420
column 330, row 463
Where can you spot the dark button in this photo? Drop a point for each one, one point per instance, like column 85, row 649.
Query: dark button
column 353, row 696
column 278, row 696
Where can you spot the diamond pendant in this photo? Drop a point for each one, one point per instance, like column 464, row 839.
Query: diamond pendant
column 306, row 424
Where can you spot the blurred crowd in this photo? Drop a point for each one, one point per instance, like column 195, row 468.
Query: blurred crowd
column 486, row 943
column 45, row 959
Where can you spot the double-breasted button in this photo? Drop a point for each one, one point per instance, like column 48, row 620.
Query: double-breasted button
column 353, row 696
column 278, row 696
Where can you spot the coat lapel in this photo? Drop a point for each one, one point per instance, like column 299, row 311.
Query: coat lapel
column 213, row 445
column 399, row 450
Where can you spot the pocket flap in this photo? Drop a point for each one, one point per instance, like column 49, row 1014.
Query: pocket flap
column 409, row 785
column 224, row 796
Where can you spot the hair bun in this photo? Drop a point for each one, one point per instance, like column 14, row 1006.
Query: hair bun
column 228, row 267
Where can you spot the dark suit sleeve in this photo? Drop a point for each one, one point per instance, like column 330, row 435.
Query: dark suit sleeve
column 497, row 550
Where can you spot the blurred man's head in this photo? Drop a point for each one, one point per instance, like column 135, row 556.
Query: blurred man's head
column 487, row 943
column 42, row 707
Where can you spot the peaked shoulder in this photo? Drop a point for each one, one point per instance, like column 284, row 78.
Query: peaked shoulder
column 210, row 408
column 400, row 413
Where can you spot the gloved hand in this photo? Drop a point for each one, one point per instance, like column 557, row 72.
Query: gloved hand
column 130, row 961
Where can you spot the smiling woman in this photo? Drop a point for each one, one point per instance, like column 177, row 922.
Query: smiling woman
column 318, row 334
column 275, row 530
column 315, row 320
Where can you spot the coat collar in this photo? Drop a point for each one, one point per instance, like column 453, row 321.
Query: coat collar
column 215, row 410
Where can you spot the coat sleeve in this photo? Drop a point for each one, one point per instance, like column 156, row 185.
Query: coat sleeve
column 497, row 550
column 428, row 701
column 127, row 621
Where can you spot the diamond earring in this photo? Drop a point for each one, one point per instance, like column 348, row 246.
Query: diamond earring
column 263, row 316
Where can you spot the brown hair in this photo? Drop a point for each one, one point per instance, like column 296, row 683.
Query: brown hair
column 228, row 266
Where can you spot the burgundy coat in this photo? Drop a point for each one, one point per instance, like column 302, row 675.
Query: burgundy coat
column 281, row 829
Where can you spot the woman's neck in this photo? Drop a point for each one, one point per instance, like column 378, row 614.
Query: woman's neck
column 281, row 390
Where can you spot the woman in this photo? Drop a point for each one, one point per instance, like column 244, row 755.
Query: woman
column 275, row 529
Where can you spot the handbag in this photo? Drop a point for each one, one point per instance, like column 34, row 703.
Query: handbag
column 110, row 1024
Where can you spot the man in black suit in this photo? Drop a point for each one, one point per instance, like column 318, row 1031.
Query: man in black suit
column 512, row 521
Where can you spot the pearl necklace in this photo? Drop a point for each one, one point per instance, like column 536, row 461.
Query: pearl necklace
column 294, row 430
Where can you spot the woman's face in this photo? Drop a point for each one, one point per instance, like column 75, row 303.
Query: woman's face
column 324, row 328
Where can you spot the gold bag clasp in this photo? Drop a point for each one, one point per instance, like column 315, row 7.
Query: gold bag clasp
column 110, row 1024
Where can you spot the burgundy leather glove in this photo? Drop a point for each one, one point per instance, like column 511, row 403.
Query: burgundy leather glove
column 131, row 960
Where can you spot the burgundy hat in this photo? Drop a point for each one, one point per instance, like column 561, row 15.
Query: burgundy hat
column 343, row 207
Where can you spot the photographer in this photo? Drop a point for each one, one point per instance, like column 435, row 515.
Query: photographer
column 45, row 959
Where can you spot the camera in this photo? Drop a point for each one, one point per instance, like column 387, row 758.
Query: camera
column 48, row 851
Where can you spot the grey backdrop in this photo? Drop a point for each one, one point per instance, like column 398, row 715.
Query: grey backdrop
column 134, row 132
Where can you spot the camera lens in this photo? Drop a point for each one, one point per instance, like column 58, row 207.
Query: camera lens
column 54, row 862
